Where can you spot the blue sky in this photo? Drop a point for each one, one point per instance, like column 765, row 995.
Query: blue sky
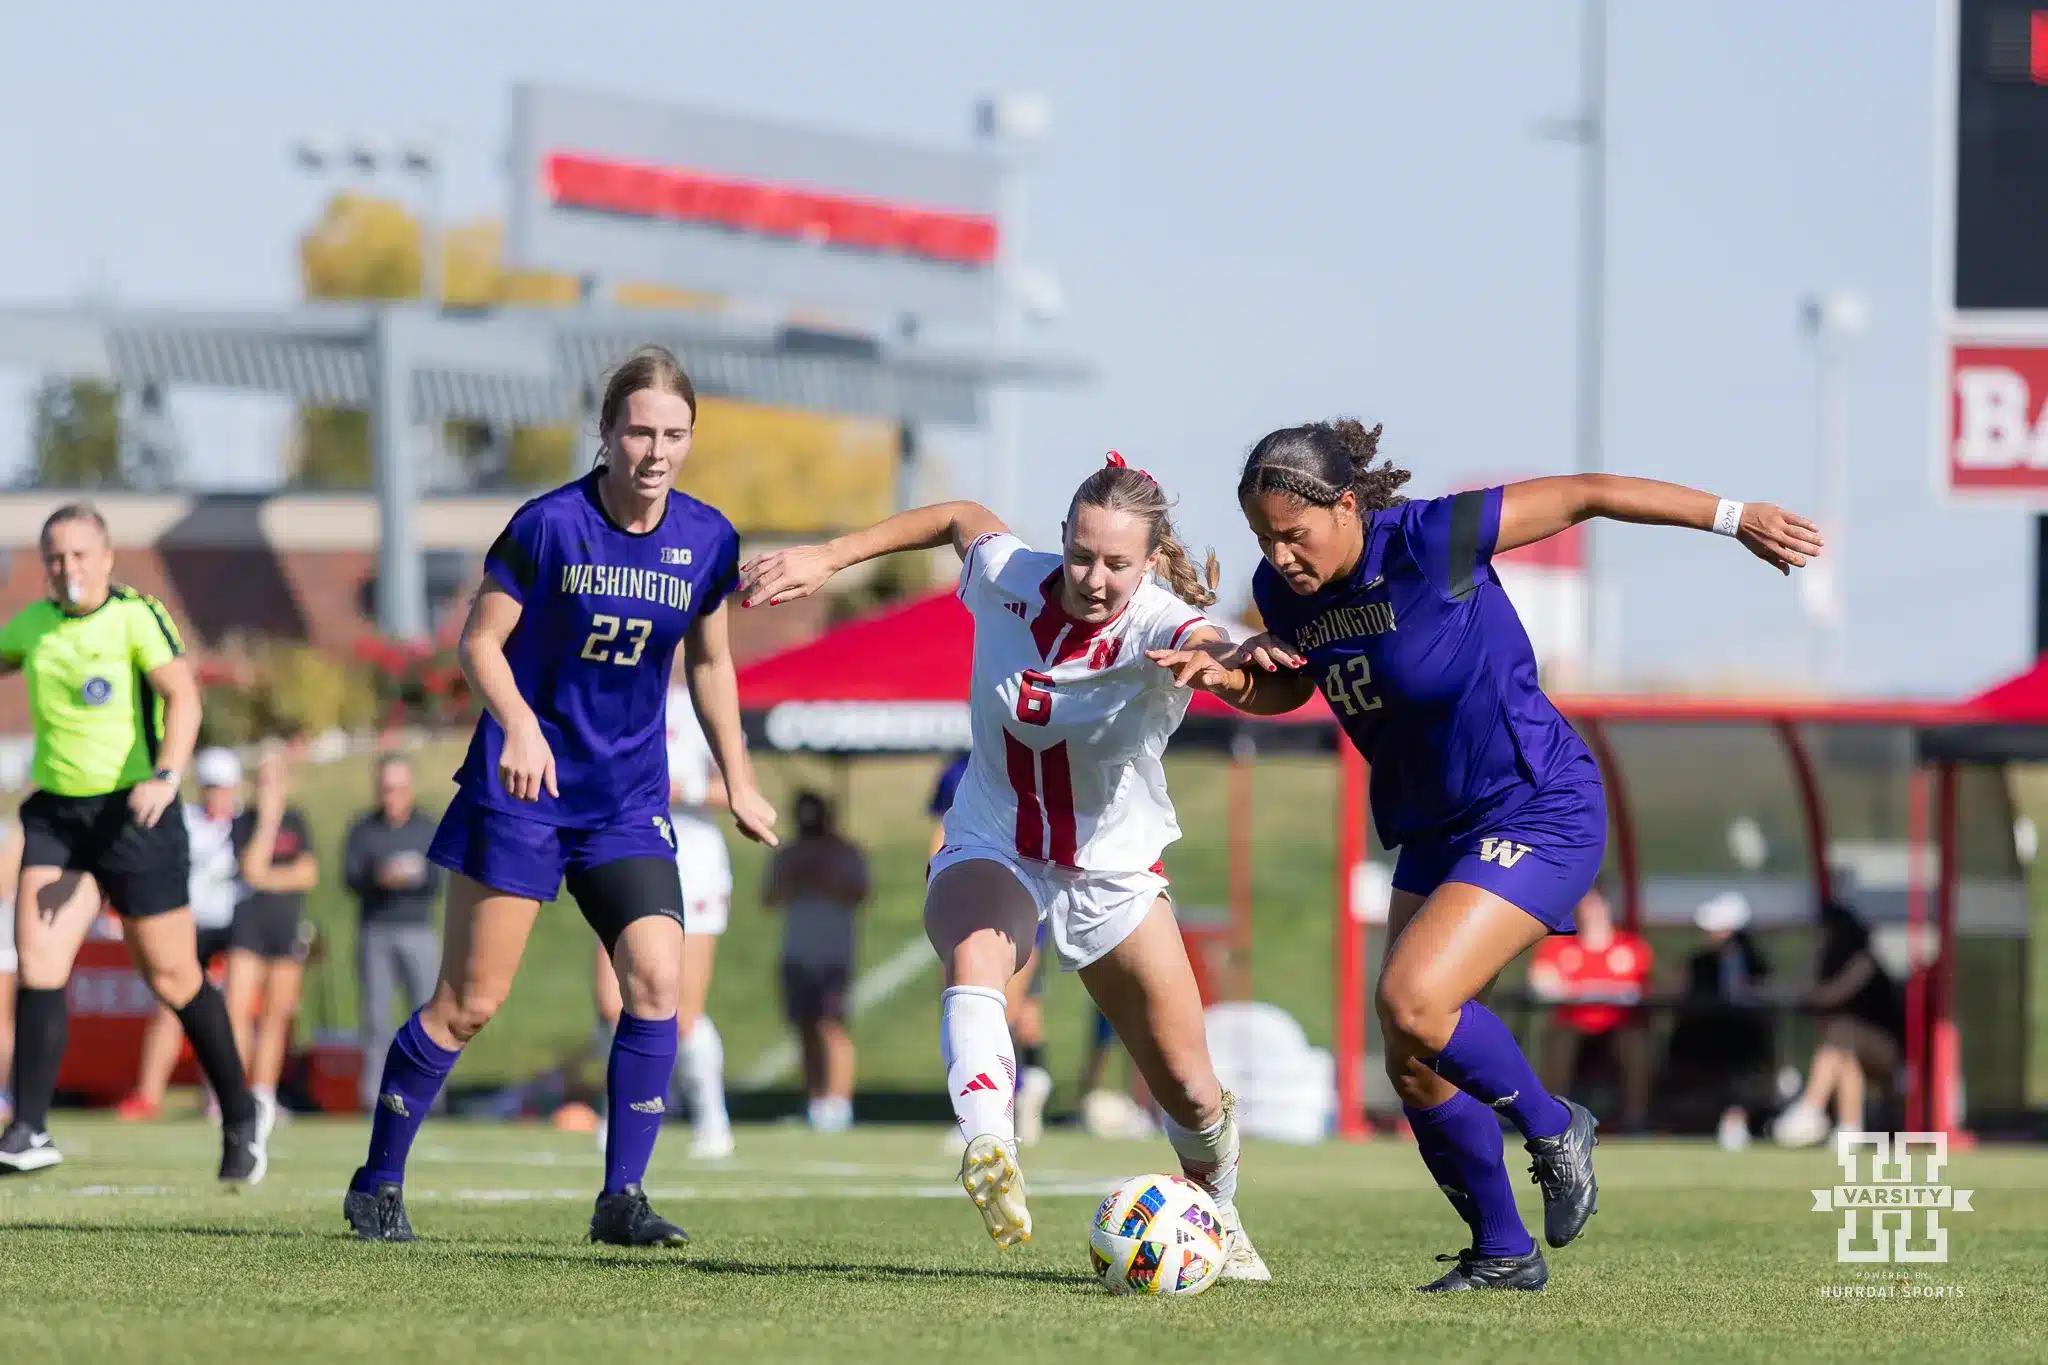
column 1259, row 215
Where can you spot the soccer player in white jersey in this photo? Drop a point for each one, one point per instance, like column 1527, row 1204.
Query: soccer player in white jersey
column 695, row 790
column 1063, row 813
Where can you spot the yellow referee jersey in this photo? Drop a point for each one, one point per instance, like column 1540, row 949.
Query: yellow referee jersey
column 98, row 721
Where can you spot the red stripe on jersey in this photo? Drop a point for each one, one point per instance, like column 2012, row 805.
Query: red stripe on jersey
column 1059, row 803
column 1183, row 629
column 1023, row 769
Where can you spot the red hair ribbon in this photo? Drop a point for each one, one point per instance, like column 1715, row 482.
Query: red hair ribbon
column 1116, row 461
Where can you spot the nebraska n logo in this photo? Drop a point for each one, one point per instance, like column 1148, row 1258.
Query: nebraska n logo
column 1105, row 654
column 1506, row 852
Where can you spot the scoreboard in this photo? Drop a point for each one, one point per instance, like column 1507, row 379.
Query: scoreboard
column 1991, row 250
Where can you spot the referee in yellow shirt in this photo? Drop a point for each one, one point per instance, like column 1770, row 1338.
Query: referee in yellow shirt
column 116, row 714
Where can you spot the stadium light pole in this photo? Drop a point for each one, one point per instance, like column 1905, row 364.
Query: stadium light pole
column 1587, row 130
column 1832, row 321
column 1011, row 126
column 418, row 160
column 402, row 610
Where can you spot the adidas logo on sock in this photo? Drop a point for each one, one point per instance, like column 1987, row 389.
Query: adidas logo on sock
column 980, row 1082
column 653, row 1106
column 395, row 1102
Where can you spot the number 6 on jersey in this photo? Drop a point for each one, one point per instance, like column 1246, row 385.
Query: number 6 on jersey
column 1034, row 697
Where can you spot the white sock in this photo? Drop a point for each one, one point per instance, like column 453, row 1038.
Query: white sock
column 702, row 1058
column 981, row 1063
column 1209, row 1158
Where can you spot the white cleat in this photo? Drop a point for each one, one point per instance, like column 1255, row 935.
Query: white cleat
column 711, row 1144
column 1034, row 1088
column 1242, row 1261
column 1801, row 1126
column 989, row 1174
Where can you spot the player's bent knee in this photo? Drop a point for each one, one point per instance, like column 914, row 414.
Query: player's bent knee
column 466, row 1009
column 648, row 992
column 174, row 983
column 1414, row 1016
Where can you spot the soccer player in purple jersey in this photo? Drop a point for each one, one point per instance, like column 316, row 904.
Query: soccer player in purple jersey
column 1392, row 609
column 569, row 643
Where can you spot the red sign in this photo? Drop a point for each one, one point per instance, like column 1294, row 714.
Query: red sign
column 575, row 180
column 1997, row 434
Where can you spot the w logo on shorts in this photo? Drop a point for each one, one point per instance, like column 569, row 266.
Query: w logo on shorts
column 668, row 836
column 1505, row 852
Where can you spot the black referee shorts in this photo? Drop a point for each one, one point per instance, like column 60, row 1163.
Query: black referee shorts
column 142, row 871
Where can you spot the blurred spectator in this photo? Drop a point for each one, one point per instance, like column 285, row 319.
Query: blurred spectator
column 943, row 792
column 10, row 876
column 1721, row 1046
column 1862, row 1031
column 215, row 886
column 398, row 954
column 819, row 881
column 1597, row 977
column 267, row 947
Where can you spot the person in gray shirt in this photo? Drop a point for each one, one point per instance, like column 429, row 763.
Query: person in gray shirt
column 397, row 947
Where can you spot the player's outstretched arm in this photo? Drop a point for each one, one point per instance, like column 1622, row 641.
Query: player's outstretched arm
column 1256, row 677
column 715, row 692
column 1537, row 509
column 526, row 766
column 801, row 570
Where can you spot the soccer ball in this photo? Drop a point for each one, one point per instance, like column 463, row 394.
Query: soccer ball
column 1157, row 1234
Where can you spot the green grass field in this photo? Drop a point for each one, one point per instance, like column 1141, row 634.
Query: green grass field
column 860, row 1248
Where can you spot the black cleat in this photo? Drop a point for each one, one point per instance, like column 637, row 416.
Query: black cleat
column 1474, row 1271
column 24, row 1149
column 1563, row 1167
column 626, row 1220
column 378, row 1217
column 244, row 1153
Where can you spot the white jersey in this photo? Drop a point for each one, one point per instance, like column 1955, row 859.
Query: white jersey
column 1070, row 720
column 216, row 874
column 701, row 858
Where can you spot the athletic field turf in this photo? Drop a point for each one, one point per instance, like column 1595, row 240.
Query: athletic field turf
column 860, row 1248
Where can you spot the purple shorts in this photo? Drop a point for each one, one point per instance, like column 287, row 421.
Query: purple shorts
column 520, row 856
column 1542, row 858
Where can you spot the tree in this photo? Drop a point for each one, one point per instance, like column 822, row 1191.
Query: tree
column 76, row 441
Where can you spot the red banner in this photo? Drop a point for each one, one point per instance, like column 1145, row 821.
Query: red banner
column 1997, row 436
column 590, row 182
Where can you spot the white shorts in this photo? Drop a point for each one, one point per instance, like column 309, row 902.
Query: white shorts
column 1085, row 913
column 706, row 872
column 9, row 963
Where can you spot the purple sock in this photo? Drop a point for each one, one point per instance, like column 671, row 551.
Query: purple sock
column 1460, row 1143
column 1483, row 1060
column 414, row 1070
column 635, row 1084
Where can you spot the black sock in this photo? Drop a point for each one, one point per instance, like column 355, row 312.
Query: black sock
column 41, row 1022
column 1032, row 1054
column 205, row 1017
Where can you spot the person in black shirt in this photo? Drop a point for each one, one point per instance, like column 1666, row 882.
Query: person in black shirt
column 1862, row 1021
column 398, row 950
column 267, row 945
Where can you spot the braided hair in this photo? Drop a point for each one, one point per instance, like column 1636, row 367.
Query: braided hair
column 1118, row 488
column 1321, row 461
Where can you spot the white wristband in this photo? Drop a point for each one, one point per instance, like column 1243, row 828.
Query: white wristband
column 1727, row 518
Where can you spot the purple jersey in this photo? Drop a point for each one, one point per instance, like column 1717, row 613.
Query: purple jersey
column 603, row 610
column 1426, row 665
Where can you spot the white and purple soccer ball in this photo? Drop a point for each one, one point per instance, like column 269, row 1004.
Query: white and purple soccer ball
column 1157, row 1234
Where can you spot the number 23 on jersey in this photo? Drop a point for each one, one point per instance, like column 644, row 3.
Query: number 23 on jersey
column 599, row 647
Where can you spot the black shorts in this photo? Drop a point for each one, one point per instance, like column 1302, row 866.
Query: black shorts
column 271, row 927
column 214, row 943
column 813, row 994
column 141, row 870
column 612, row 895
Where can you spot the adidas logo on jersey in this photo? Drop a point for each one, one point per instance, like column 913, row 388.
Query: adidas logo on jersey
column 980, row 1082
column 1015, row 609
column 1505, row 852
